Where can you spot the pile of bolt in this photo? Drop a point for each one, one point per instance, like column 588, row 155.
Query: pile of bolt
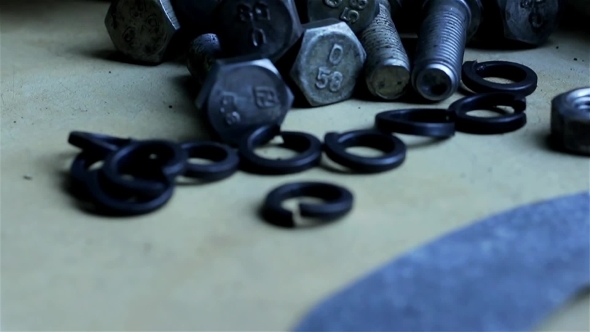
column 322, row 48
column 253, row 59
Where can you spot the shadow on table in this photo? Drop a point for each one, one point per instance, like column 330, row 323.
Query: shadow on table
column 544, row 140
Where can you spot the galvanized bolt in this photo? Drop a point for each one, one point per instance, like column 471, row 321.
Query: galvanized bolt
column 328, row 63
column 201, row 56
column 447, row 26
column 387, row 69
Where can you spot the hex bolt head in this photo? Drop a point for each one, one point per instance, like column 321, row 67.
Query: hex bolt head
column 201, row 56
column 387, row 70
column 529, row 22
column 447, row 26
column 267, row 28
column 142, row 30
column 570, row 120
column 358, row 14
column 241, row 94
column 328, row 63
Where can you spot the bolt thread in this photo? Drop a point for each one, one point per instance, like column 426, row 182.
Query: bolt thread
column 201, row 56
column 441, row 40
column 387, row 68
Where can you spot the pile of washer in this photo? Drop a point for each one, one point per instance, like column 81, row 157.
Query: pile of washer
column 260, row 59
column 154, row 164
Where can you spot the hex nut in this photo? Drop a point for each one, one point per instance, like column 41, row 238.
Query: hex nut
column 570, row 120
column 267, row 28
column 328, row 63
column 142, row 29
column 241, row 94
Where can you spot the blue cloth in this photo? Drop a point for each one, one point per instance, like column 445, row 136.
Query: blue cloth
column 505, row 273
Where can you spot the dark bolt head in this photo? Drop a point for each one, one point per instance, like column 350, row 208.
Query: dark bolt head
column 241, row 94
column 142, row 29
column 528, row 22
column 267, row 28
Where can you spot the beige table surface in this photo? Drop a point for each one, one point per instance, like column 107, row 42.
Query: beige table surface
column 206, row 261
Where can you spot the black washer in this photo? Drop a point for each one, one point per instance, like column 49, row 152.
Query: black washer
column 474, row 74
column 107, row 198
column 79, row 167
column 338, row 202
column 308, row 146
column 98, row 144
column 336, row 144
column 152, row 163
column 496, row 125
column 225, row 160
column 430, row 122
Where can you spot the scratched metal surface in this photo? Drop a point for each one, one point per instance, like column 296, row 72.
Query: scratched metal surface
column 205, row 261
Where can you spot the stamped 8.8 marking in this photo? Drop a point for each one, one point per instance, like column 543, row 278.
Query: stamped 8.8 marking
column 251, row 14
column 327, row 78
column 350, row 14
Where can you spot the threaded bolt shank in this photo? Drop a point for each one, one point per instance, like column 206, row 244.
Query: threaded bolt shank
column 387, row 68
column 441, row 46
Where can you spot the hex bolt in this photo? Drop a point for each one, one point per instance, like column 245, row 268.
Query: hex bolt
column 143, row 30
column 447, row 26
column 241, row 94
column 268, row 28
column 201, row 56
column 387, row 69
column 528, row 22
column 327, row 64
column 358, row 14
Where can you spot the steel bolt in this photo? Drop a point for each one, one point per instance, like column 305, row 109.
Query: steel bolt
column 142, row 30
column 529, row 22
column 447, row 26
column 243, row 93
column 201, row 56
column 387, row 69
